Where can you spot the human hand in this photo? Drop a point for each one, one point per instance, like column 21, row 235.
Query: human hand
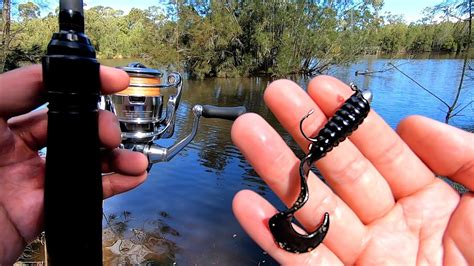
column 23, row 133
column 385, row 202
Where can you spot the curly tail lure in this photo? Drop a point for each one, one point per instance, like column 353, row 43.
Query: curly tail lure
column 345, row 121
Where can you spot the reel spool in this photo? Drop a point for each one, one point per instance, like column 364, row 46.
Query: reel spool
column 139, row 108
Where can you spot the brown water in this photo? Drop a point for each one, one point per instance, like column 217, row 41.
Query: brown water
column 182, row 214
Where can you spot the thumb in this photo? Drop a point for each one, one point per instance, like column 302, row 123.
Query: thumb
column 446, row 150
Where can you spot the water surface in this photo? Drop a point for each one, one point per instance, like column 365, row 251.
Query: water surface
column 182, row 214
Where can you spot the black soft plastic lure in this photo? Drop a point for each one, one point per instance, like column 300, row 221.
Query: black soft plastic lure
column 351, row 114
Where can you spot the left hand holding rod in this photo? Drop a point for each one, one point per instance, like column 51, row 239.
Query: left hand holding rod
column 23, row 133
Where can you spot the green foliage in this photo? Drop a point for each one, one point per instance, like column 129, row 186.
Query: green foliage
column 28, row 10
column 246, row 37
column 18, row 56
column 269, row 37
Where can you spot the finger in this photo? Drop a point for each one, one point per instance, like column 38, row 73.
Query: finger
column 124, row 162
column 129, row 167
column 276, row 164
column 253, row 213
column 127, row 170
column 113, row 80
column 109, row 130
column 354, row 179
column 402, row 169
column 116, row 183
column 446, row 150
column 32, row 129
column 21, row 89
column 459, row 235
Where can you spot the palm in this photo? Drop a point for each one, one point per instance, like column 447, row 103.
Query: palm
column 21, row 183
column 385, row 202
column 410, row 233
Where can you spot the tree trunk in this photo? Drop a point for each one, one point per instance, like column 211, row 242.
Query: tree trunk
column 5, row 33
column 451, row 108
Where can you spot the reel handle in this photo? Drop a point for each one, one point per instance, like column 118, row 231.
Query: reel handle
column 228, row 113
column 156, row 153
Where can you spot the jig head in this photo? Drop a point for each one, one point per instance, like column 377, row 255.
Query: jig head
column 347, row 119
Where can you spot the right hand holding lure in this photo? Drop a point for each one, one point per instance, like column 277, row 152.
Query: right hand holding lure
column 345, row 121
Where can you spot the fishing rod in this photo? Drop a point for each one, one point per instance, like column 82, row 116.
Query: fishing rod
column 73, row 181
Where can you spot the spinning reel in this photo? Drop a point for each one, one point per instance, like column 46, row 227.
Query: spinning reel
column 144, row 119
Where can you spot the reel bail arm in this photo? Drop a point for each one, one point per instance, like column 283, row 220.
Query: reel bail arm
column 174, row 80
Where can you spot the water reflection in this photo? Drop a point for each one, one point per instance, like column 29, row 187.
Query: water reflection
column 124, row 244
column 34, row 253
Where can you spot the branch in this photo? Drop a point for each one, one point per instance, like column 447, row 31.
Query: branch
column 421, row 86
column 462, row 109
column 466, row 60
column 367, row 72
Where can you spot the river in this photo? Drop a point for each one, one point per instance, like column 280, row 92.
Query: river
column 182, row 213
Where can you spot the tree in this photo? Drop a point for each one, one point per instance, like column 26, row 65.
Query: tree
column 462, row 11
column 29, row 11
column 6, row 37
column 14, row 31
column 268, row 37
column 243, row 37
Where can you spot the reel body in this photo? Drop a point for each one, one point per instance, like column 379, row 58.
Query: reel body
column 144, row 118
column 139, row 108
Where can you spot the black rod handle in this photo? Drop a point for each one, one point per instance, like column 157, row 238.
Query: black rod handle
column 228, row 113
column 73, row 180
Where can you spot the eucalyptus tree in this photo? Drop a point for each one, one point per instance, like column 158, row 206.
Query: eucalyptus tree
column 15, row 16
column 6, row 37
column 250, row 37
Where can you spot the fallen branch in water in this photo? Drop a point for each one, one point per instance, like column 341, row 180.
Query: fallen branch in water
column 419, row 85
column 368, row 72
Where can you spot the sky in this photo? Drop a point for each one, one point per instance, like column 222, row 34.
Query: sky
column 124, row 5
column 410, row 9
